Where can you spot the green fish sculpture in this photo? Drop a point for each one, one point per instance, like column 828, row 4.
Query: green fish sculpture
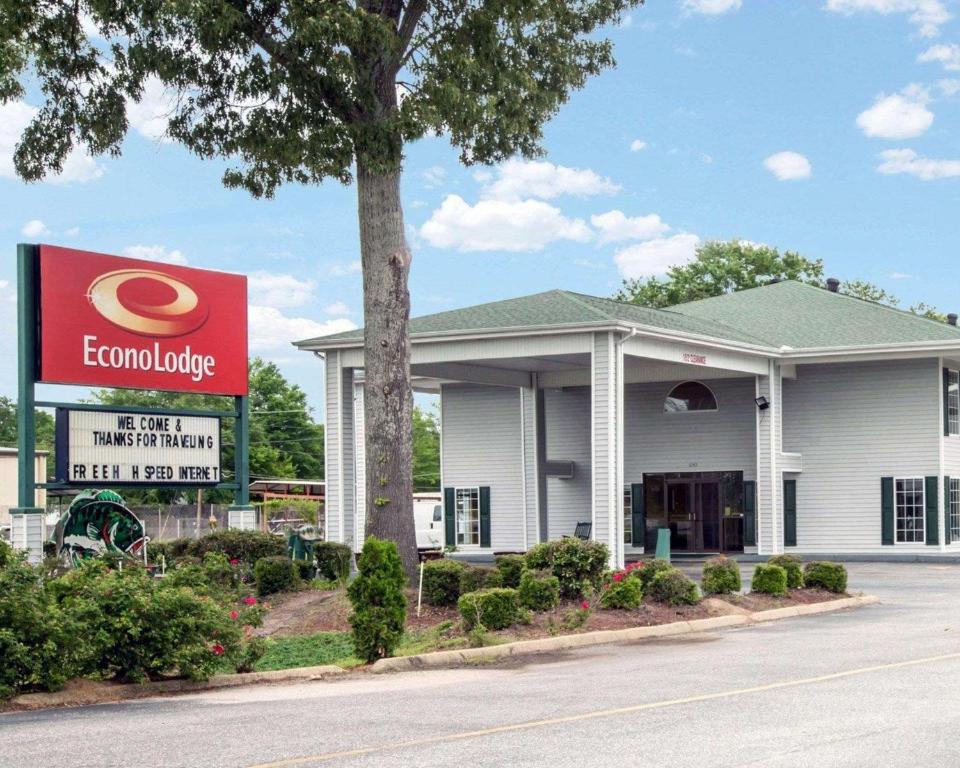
column 97, row 522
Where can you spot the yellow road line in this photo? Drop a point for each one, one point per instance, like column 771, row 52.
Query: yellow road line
column 600, row 713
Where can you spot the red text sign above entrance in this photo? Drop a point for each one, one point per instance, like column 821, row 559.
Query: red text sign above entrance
column 109, row 321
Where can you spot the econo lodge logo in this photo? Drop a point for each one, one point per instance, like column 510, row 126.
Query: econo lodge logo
column 153, row 304
column 147, row 302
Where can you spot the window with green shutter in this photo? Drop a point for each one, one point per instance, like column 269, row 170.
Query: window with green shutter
column 932, row 506
column 886, row 511
column 749, row 513
column 790, row 513
column 638, row 518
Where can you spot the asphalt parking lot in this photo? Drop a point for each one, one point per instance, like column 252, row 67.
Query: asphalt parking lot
column 875, row 686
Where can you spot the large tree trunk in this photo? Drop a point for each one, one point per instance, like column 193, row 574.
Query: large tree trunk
column 388, row 396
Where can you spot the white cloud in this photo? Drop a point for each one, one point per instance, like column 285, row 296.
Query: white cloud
column 337, row 308
column 947, row 55
column 150, row 116
column 788, row 165
column 711, row 7
column 636, row 145
column 949, row 87
column 520, row 179
column 655, row 257
column 34, row 228
column 434, row 176
column 345, row 268
column 270, row 329
column 897, row 161
column 927, row 15
column 278, row 290
column 901, row 115
column 499, row 225
column 705, row 158
column 72, row 232
column 900, row 276
column 615, row 226
column 154, row 253
column 14, row 117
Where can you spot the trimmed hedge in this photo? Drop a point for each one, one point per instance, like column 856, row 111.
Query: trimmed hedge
column 826, row 575
column 769, row 579
column 441, row 581
column 793, row 565
column 721, row 576
column 647, row 571
column 539, row 590
column 673, row 587
column 578, row 564
column 476, row 577
column 333, row 560
column 624, row 595
column 245, row 546
column 495, row 608
column 511, row 569
column 275, row 574
column 379, row 601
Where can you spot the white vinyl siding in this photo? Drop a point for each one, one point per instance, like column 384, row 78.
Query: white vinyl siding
column 855, row 423
column 482, row 447
column 567, row 418
column 359, row 464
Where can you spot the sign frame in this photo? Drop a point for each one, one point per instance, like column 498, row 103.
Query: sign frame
column 62, row 443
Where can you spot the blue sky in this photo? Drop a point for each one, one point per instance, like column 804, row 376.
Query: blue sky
column 826, row 127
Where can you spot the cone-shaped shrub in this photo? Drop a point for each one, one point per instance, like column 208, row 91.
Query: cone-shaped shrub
column 378, row 599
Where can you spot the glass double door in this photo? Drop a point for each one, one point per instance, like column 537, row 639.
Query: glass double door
column 693, row 515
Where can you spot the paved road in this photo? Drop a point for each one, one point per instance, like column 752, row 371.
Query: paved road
column 878, row 686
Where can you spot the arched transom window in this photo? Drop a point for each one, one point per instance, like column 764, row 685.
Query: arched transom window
column 690, row 396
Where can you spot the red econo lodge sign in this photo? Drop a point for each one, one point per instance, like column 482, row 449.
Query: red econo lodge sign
column 115, row 322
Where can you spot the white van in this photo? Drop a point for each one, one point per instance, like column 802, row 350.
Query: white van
column 428, row 517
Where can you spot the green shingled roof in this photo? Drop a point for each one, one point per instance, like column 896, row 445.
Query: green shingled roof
column 801, row 316
column 552, row 309
column 788, row 313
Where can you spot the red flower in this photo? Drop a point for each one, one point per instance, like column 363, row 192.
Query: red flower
column 584, row 606
column 234, row 561
column 234, row 615
column 618, row 576
column 218, row 650
column 250, row 600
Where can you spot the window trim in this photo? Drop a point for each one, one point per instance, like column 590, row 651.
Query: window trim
column 713, row 394
column 628, row 514
column 456, row 490
column 954, row 500
column 953, row 424
column 923, row 511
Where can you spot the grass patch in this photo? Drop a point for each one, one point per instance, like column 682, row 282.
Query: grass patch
column 442, row 637
column 308, row 651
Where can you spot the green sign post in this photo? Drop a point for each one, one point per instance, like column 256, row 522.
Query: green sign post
column 27, row 517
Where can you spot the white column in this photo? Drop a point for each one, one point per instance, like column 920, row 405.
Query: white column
column 769, row 477
column 528, row 462
column 606, row 409
column 339, row 451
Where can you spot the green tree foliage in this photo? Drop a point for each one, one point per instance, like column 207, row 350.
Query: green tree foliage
column 426, row 450
column 301, row 92
column 721, row 267
column 44, row 433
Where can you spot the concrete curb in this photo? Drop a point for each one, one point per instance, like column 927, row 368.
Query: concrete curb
column 604, row 637
column 127, row 692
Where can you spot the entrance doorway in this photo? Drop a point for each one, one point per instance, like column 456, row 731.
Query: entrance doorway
column 703, row 510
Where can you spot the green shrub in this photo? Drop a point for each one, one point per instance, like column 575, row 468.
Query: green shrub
column 721, row 576
column 306, row 569
column 275, row 574
column 333, row 560
column 214, row 577
column 769, row 580
column 243, row 546
column 670, row 585
column 826, row 575
column 134, row 627
column 578, row 564
column 624, row 594
column 378, row 599
column 476, row 577
column 793, row 565
column 38, row 643
column 649, row 571
column 441, row 581
column 539, row 590
column 511, row 569
column 495, row 608
column 172, row 550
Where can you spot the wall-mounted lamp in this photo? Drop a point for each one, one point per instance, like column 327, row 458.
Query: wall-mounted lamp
column 762, row 403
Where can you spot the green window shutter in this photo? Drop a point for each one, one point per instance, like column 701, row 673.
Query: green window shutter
column 749, row 513
column 485, row 516
column 886, row 510
column 946, row 402
column 946, row 510
column 789, row 513
column 637, row 511
column 450, row 516
column 932, row 498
